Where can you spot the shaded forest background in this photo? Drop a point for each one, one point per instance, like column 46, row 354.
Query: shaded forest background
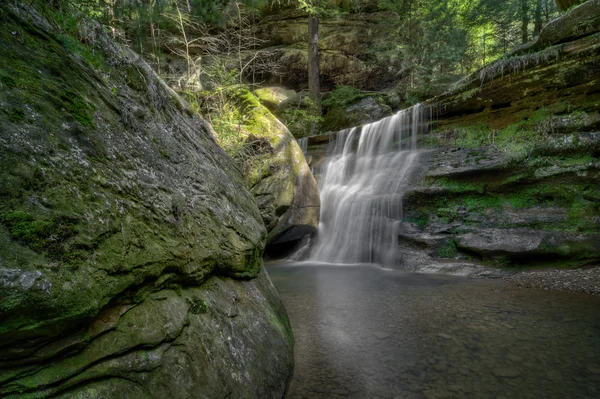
column 213, row 54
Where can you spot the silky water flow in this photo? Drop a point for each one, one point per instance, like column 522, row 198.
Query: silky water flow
column 364, row 180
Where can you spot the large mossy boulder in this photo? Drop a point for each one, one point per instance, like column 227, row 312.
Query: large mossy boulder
column 279, row 177
column 130, row 250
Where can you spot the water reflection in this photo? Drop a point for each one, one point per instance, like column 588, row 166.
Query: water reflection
column 364, row 332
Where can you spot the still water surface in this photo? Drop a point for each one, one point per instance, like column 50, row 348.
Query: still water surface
column 366, row 332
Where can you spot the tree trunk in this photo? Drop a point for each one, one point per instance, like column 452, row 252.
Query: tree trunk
column 314, row 87
column 524, row 21
column 566, row 4
column 538, row 18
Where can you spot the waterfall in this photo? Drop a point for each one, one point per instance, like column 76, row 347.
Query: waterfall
column 303, row 144
column 363, row 182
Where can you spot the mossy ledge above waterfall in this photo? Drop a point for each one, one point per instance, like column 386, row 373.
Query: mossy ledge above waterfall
column 513, row 178
column 512, row 164
column 130, row 250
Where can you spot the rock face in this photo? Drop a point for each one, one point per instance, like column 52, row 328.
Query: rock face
column 513, row 177
column 281, row 181
column 352, row 48
column 513, row 160
column 125, row 233
column 367, row 110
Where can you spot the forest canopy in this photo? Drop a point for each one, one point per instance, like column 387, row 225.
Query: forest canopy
column 437, row 40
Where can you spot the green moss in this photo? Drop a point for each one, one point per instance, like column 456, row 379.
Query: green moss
column 15, row 115
column 420, row 220
column 41, row 235
column 482, row 202
column 459, row 186
column 448, row 250
column 469, row 93
column 585, row 159
column 336, row 119
column 302, row 121
column 521, row 201
column 78, row 108
column 8, row 82
column 343, row 96
column 473, row 136
column 197, row 305
column 94, row 58
column 135, row 79
column 514, row 179
column 164, row 154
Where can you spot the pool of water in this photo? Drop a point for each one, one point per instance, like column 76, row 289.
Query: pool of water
column 366, row 332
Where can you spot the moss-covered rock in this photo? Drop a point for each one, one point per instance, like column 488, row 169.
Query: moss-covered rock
column 278, row 176
column 117, row 209
column 222, row 338
column 514, row 176
column 272, row 97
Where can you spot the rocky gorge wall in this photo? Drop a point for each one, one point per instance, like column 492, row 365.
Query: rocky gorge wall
column 352, row 48
column 130, row 250
column 513, row 160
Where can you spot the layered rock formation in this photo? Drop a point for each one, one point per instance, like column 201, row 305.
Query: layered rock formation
column 513, row 159
column 130, row 251
column 352, row 48
column 513, row 179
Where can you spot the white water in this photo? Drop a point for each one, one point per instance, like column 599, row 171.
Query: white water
column 362, row 188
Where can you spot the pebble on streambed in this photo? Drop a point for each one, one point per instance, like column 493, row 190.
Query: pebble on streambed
column 585, row 280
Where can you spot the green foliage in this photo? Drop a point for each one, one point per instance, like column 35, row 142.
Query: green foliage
column 302, row 119
column 439, row 41
column 448, row 250
column 343, row 96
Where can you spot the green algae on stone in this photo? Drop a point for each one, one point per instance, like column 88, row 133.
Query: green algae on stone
column 109, row 250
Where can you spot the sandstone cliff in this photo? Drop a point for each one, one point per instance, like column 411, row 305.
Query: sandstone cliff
column 130, row 251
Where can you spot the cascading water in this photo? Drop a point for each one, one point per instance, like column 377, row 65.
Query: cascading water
column 362, row 188
column 303, row 144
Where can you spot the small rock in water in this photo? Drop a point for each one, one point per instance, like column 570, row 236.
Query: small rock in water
column 381, row 335
column 445, row 336
column 506, row 372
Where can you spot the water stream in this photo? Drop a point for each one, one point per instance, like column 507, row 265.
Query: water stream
column 365, row 177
